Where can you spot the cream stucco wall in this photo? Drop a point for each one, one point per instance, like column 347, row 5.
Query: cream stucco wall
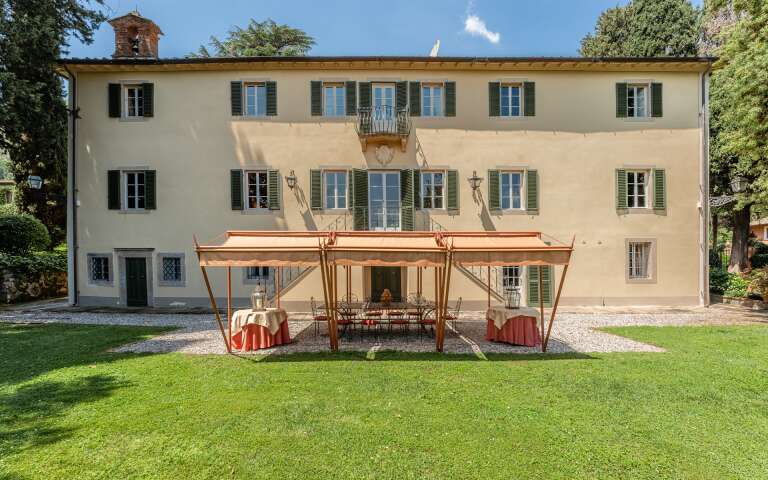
column 575, row 142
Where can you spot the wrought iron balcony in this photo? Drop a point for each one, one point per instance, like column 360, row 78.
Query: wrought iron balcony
column 383, row 124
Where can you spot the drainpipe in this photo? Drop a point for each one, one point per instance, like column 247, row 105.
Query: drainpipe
column 704, row 186
column 72, row 280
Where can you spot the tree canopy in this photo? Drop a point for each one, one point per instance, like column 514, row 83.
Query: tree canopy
column 259, row 39
column 645, row 28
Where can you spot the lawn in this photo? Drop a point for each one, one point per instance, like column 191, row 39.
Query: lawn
column 70, row 410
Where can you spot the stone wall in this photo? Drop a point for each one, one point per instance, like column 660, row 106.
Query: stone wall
column 19, row 287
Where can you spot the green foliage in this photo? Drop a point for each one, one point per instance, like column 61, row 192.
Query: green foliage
column 8, row 209
column 21, row 234
column 737, row 286
column 37, row 262
column 758, row 282
column 759, row 260
column 33, row 123
column 260, row 39
column 645, row 28
column 718, row 280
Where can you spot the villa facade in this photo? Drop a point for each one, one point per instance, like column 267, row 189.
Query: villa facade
column 611, row 151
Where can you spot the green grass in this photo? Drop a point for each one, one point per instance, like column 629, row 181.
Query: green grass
column 69, row 410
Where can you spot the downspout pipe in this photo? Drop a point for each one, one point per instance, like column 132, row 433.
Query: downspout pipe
column 72, row 246
column 704, row 185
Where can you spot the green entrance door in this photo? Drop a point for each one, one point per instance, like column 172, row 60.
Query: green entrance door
column 385, row 277
column 136, row 282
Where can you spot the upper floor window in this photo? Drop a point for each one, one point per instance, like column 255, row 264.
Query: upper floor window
column 134, row 101
column 335, row 189
column 333, row 100
column 135, row 190
column 432, row 189
column 637, row 189
column 511, row 190
column 432, row 100
column 255, row 99
column 258, row 189
column 637, row 101
column 511, row 95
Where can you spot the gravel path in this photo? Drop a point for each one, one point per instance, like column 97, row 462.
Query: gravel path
column 573, row 331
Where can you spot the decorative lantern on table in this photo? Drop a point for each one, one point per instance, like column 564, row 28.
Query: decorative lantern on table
column 511, row 298
column 258, row 298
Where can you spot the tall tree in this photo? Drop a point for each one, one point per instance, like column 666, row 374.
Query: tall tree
column 739, row 102
column 260, row 39
column 645, row 28
column 33, row 113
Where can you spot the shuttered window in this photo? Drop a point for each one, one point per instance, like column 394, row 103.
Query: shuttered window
column 414, row 98
column 532, row 192
column 360, row 198
column 452, row 189
column 511, row 190
column 316, row 98
column 407, row 196
column 641, row 189
column 547, row 273
column 148, row 90
column 236, row 98
column 432, row 100
column 351, row 100
column 257, row 190
column 494, row 103
column 450, row 99
column 657, row 102
column 494, row 196
column 659, row 189
column 133, row 101
column 511, row 100
column 333, row 100
column 365, row 94
column 113, row 189
column 236, row 189
column 255, row 99
column 113, row 97
column 335, row 183
column 316, row 189
column 131, row 190
column 432, row 189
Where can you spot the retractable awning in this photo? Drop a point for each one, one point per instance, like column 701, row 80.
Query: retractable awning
column 418, row 249
column 270, row 249
column 498, row 249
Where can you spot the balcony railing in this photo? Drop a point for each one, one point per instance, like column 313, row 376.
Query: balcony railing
column 383, row 123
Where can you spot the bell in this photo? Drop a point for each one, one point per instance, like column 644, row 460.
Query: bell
column 511, row 298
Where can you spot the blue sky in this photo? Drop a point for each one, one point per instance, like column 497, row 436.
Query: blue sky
column 394, row 27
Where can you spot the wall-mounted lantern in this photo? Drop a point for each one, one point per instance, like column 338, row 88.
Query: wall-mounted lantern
column 739, row 183
column 474, row 180
column 291, row 180
column 35, row 182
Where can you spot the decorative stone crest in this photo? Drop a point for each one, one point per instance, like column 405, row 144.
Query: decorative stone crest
column 384, row 154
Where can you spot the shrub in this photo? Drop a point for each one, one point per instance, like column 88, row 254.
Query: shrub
column 714, row 259
column 758, row 283
column 759, row 260
column 718, row 280
column 36, row 263
column 8, row 209
column 737, row 286
column 21, row 234
column 760, row 248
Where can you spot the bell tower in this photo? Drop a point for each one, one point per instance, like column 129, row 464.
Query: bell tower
column 135, row 36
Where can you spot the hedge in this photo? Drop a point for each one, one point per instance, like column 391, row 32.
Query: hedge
column 35, row 263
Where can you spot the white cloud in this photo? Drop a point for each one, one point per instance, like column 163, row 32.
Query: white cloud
column 475, row 26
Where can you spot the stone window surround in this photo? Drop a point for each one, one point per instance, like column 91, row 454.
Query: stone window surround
column 91, row 281
column 146, row 253
column 652, row 260
column 171, row 283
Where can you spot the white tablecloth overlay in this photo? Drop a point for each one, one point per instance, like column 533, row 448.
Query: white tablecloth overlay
column 500, row 315
column 270, row 318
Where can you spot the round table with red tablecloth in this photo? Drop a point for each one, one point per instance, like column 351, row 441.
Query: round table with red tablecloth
column 254, row 330
column 513, row 325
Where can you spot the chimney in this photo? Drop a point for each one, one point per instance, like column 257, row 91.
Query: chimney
column 135, row 36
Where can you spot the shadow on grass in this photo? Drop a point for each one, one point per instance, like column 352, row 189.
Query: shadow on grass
column 398, row 356
column 27, row 414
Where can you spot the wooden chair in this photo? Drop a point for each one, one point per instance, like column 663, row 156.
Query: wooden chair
column 429, row 319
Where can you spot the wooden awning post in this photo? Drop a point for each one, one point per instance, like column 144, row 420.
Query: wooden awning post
column 229, row 306
column 277, row 286
column 335, row 300
column 215, row 309
column 446, row 297
column 489, row 287
column 326, row 294
column 545, row 341
column 541, row 305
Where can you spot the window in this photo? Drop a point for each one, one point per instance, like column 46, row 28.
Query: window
column 511, row 190
column 135, row 190
column 432, row 101
column 257, row 190
column 257, row 274
column 637, row 101
column 765, row 233
column 511, row 277
column 255, row 100
column 510, row 100
column 333, row 100
column 639, row 260
column 99, row 269
column 335, row 189
column 171, row 269
column 134, row 101
column 637, row 189
column 432, row 189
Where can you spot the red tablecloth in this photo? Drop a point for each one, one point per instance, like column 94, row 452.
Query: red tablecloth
column 519, row 330
column 258, row 337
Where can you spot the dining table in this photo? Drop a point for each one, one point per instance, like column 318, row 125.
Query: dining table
column 258, row 329
column 516, row 326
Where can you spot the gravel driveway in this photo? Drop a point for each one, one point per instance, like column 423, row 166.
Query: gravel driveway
column 574, row 330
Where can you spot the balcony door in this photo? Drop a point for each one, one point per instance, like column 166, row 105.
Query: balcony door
column 383, row 101
column 384, row 200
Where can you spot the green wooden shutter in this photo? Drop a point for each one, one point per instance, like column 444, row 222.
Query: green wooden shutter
column 365, row 94
column 113, row 189
column 401, row 95
column 406, row 200
column 450, row 99
column 271, row 99
column 150, row 190
column 452, row 190
column 621, row 100
column 350, row 91
column 416, row 189
column 529, row 99
column 533, row 285
column 316, row 189
column 236, row 98
column 236, row 188
column 113, row 91
column 532, row 192
column 360, row 198
column 316, row 98
column 350, row 189
column 148, row 92
column 621, row 189
column 273, row 189
column 657, row 109
column 415, row 98
column 494, row 195
column 659, row 189
column 494, row 101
